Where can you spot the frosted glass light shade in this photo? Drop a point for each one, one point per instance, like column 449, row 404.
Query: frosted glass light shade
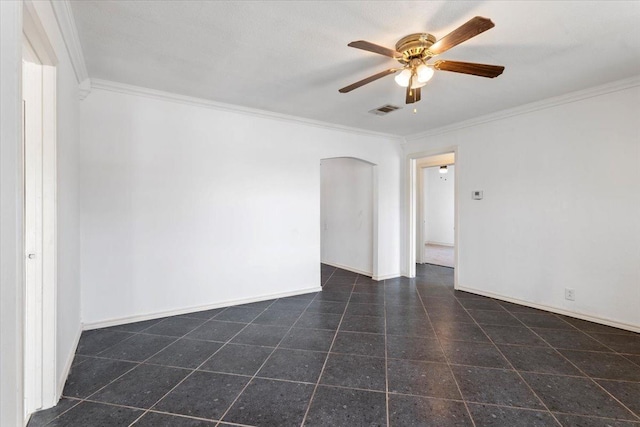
column 403, row 78
column 424, row 73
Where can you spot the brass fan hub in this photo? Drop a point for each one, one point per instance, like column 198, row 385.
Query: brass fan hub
column 414, row 46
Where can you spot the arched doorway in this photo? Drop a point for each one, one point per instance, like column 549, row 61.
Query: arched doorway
column 347, row 214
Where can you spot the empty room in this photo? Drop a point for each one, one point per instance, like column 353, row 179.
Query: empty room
column 319, row 213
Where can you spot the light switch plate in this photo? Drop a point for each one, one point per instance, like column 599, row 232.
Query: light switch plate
column 476, row 195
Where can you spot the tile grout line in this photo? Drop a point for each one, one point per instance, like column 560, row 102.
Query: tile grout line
column 586, row 375
column 328, row 278
column 386, row 351
column 550, row 346
column 353, row 388
column 378, row 357
column 78, row 401
column 574, row 328
column 137, row 363
column 353, row 292
column 133, row 335
column 229, row 342
column 194, row 370
column 267, row 358
column 446, row 358
column 141, row 331
column 513, row 367
column 118, row 405
column 560, row 354
column 324, row 365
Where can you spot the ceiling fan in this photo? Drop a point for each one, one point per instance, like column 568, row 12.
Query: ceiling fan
column 413, row 52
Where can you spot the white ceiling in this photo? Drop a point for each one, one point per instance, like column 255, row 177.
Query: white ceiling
column 292, row 57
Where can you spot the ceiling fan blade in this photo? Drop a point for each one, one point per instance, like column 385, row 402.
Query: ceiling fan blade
column 381, row 50
column 482, row 70
column 416, row 95
column 367, row 80
column 469, row 29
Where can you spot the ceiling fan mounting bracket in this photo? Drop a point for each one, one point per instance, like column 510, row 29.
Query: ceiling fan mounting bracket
column 415, row 46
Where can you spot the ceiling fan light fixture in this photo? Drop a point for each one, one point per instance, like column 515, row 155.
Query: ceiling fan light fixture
column 424, row 73
column 403, row 78
column 415, row 84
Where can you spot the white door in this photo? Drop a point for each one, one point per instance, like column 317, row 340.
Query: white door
column 32, row 143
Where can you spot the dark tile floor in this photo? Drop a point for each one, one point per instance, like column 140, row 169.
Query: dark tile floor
column 360, row 353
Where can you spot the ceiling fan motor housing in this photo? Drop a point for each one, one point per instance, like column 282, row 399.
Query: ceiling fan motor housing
column 415, row 46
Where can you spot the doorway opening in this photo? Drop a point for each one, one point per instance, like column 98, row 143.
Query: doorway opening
column 348, row 220
column 436, row 205
column 432, row 210
column 39, row 234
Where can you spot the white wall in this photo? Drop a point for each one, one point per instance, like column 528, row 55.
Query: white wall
column 11, row 200
column 11, row 220
column 438, row 205
column 67, row 196
column 185, row 206
column 346, row 212
column 561, row 204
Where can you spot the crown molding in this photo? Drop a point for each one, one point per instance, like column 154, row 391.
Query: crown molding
column 66, row 22
column 531, row 107
column 123, row 88
column 84, row 89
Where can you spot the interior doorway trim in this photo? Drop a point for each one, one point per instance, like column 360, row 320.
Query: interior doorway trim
column 423, row 165
column 40, row 301
column 411, row 208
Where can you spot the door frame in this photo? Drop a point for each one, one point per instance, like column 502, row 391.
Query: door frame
column 420, row 218
column 411, row 208
column 41, row 331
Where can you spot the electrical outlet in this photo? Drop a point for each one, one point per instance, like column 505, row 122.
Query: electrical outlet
column 570, row 294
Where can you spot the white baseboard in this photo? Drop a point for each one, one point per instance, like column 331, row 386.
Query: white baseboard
column 594, row 319
column 449, row 245
column 387, row 276
column 346, row 267
column 67, row 366
column 364, row 273
column 177, row 312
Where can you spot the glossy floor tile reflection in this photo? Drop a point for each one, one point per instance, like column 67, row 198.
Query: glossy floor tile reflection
column 400, row 352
